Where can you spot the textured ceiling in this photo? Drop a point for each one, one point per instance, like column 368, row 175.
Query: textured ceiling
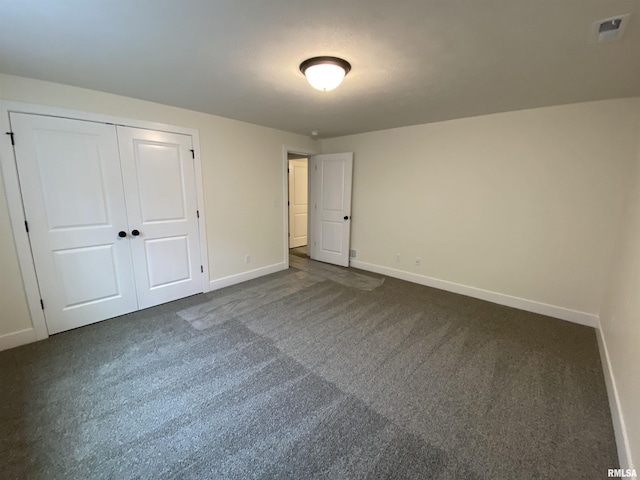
column 414, row 61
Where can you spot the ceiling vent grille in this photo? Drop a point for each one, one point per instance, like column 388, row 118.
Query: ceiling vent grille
column 609, row 29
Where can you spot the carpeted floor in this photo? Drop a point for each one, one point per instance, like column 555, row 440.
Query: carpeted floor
column 327, row 380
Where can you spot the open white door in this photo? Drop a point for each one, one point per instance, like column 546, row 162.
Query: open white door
column 330, row 178
column 298, row 178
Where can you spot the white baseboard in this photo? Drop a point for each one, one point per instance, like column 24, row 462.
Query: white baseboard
column 574, row 316
column 219, row 283
column 619, row 427
column 16, row 339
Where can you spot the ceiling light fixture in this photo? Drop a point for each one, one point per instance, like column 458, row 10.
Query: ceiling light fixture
column 325, row 73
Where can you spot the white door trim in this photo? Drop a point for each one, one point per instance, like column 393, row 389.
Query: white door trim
column 286, row 150
column 14, row 196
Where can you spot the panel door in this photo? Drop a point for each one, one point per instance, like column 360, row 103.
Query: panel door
column 298, row 180
column 331, row 177
column 160, row 191
column 74, row 204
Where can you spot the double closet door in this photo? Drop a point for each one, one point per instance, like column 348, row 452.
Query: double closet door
column 111, row 214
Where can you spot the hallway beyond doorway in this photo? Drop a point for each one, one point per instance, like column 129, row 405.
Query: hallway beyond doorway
column 299, row 252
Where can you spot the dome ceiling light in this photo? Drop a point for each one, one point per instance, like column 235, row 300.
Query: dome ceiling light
column 325, row 73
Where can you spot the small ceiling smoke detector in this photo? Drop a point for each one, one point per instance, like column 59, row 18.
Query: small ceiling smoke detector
column 609, row 29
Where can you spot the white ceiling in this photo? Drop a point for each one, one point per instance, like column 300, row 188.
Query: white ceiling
column 414, row 61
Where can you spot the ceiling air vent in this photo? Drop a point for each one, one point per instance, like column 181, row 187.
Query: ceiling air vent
column 609, row 29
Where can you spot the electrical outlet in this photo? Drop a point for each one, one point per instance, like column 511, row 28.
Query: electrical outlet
column 397, row 258
column 353, row 253
column 418, row 262
column 247, row 259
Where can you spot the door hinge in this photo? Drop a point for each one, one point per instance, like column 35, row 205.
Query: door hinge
column 201, row 269
column 198, row 213
column 288, row 203
column 26, row 226
column 12, row 139
column 193, row 154
column 287, row 170
column 42, row 304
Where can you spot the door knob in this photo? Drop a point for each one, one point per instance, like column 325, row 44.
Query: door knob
column 346, row 217
column 135, row 233
column 122, row 234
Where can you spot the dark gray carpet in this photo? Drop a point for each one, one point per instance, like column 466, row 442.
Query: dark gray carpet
column 327, row 382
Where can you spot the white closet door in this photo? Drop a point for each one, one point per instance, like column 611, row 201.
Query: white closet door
column 160, row 192
column 74, row 205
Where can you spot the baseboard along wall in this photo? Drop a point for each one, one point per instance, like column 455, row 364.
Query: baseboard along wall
column 619, row 427
column 219, row 283
column 562, row 313
column 17, row 339
column 575, row 316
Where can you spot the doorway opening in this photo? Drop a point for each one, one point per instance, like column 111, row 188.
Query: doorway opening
column 298, row 204
column 328, row 180
column 293, row 153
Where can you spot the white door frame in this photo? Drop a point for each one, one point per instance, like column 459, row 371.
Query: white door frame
column 16, row 212
column 286, row 150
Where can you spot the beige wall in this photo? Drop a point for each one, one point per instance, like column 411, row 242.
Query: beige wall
column 242, row 172
column 524, row 203
column 620, row 318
